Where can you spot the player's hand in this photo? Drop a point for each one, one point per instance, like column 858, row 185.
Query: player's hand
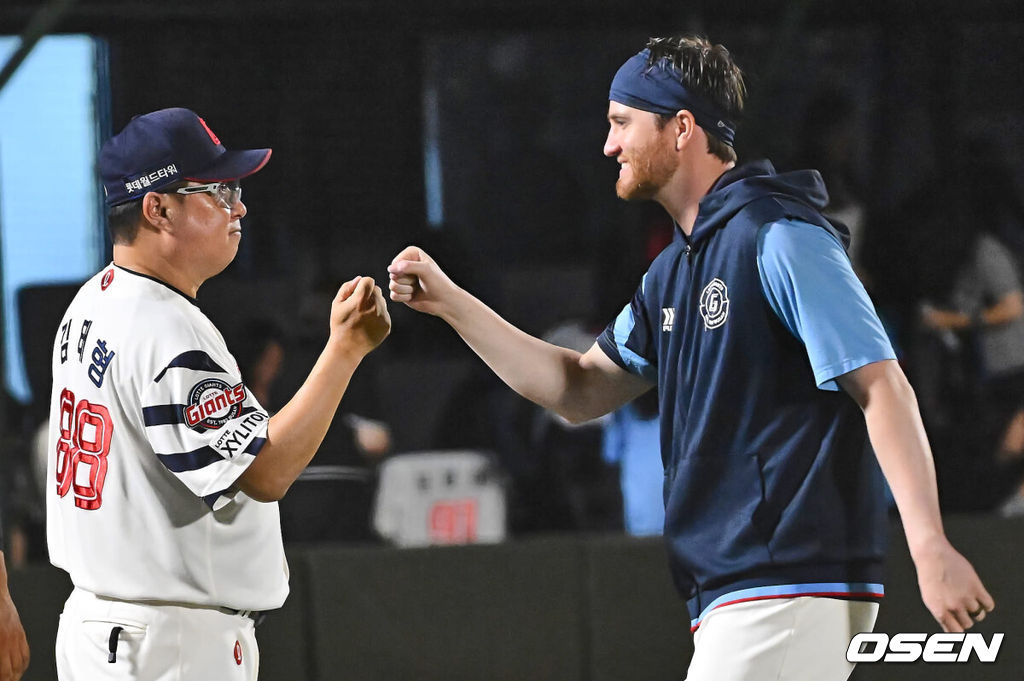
column 417, row 281
column 13, row 644
column 951, row 589
column 359, row 315
column 372, row 438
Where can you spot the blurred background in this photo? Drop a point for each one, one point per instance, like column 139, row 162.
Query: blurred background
column 474, row 128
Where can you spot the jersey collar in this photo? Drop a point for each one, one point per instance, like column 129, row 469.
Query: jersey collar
column 159, row 281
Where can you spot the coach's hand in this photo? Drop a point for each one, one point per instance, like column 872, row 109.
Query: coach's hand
column 13, row 644
column 950, row 588
column 359, row 315
column 417, row 281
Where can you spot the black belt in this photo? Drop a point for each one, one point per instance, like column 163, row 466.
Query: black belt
column 257, row 616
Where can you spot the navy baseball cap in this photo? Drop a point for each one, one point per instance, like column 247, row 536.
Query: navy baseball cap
column 168, row 146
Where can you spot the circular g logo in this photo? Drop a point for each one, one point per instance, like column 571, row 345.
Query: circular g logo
column 714, row 304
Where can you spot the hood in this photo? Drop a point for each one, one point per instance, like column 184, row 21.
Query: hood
column 740, row 186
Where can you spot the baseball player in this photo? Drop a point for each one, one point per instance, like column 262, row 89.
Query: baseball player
column 773, row 371
column 164, row 469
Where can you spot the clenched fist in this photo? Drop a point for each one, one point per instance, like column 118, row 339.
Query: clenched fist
column 417, row 281
column 359, row 315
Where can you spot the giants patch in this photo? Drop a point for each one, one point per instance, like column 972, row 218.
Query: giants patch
column 714, row 304
column 212, row 403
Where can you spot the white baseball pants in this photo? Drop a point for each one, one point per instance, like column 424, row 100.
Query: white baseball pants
column 101, row 639
column 785, row 639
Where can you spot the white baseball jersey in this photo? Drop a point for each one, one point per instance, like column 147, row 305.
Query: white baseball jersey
column 150, row 426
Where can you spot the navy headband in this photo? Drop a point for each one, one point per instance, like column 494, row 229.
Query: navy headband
column 658, row 89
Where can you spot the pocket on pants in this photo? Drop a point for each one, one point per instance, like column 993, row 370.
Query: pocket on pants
column 115, row 642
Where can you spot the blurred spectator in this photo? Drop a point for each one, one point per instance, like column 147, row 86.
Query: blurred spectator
column 986, row 310
column 967, row 254
column 22, row 484
column 584, row 484
column 483, row 414
column 333, row 497
column 573, row 452
column 557, row 478
column 996, row 199
column 923, row 250
column 259, row 348
column 632, row 440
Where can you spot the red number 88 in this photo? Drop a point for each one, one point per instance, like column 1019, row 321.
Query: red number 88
column 85, row 432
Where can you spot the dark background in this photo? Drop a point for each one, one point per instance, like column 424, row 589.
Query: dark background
column 338, row 89
column 518, row 92
column 511, row 97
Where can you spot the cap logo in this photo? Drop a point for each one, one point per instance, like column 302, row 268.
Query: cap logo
column 142, row 182
column 166, row 146
column 208, row 131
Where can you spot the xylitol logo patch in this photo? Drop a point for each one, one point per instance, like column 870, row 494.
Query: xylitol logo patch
column 911, row 647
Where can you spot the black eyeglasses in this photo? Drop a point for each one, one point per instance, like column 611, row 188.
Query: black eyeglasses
column 228, row 194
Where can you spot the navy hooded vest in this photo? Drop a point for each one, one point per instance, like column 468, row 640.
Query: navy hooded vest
column 769, row 480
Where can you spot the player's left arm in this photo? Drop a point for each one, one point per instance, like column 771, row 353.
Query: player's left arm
column 950, row 587
column 809, row 282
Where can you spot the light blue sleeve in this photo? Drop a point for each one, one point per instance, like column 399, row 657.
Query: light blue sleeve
column 808, row 281
column 628, row 340
column 612, row 437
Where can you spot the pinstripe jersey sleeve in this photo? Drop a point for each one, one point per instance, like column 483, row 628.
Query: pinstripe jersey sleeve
column 202, row 422
column 628, row 341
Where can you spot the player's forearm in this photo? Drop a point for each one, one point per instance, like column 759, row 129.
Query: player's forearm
column 295, row 433
column 543, row 373
column 901, row 446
